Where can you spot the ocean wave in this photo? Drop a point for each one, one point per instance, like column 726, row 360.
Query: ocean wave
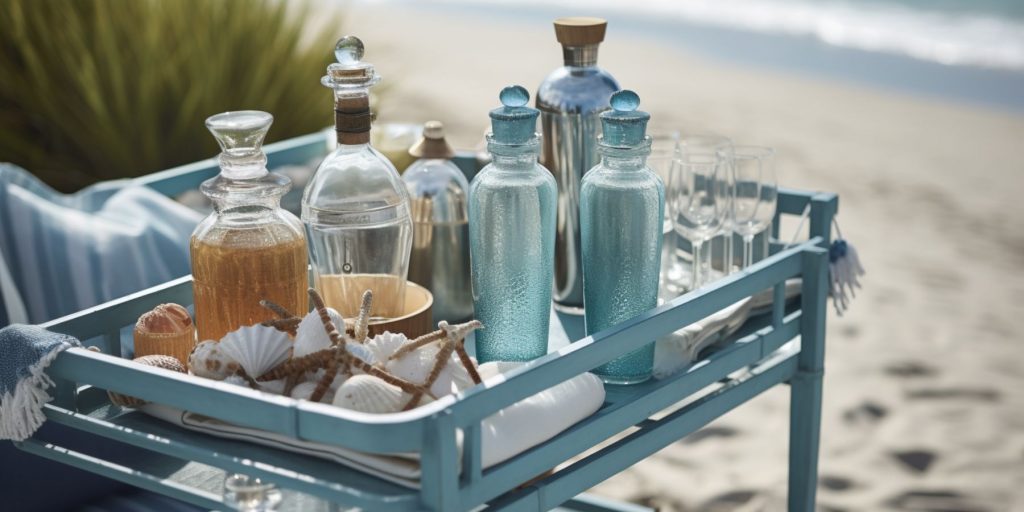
column 948, row 37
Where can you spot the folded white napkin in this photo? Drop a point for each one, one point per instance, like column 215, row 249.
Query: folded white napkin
column 680, row 348
column 505, row 434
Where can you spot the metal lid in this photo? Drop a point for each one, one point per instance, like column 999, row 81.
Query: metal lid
column 514, row 122
column 624, row 126
column 432, row 144
column 580, row 30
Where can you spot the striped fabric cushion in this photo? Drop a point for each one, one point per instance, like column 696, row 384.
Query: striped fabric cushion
column 64, row 253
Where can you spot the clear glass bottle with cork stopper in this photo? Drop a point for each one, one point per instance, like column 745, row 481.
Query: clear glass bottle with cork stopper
column 512, row 237
column 439, row 194
column 622, row 203
column 249, row 249
column 355, row 207
column 570, row 100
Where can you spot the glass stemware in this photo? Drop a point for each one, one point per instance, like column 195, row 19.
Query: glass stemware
column 754, row 194
column 697, row 195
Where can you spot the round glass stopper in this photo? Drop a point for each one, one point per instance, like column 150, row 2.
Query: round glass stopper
column 625, row 101
column 348, row 50
column 514, row 96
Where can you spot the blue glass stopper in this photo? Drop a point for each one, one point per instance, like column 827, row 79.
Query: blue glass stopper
column 625, row 101
column 514, row 96
column 349, row 50
column 624, row 126
column 514, row 122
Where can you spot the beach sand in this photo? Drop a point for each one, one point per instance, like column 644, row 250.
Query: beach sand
column 924, row 383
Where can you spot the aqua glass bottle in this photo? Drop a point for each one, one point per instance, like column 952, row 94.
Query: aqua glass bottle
column 512, row 237
column 622, row 202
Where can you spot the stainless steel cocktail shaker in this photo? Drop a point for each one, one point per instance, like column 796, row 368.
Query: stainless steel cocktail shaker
column 570, row 100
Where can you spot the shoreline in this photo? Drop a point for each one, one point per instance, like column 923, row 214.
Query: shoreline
column 973, row 86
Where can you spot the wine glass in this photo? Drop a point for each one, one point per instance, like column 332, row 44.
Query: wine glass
column 754, row 194
column 697, row 196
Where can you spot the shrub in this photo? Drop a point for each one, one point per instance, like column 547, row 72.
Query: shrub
column 101, row 89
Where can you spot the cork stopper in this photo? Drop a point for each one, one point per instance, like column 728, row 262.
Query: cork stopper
column 351, row 77
column 580, row 30
column 432, row 144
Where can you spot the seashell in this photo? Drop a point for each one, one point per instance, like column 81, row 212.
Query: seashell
column 366, row 393
column 361, row 351
column 165, row 319
column 273, row 386
column 209, row 361
column 165, row 362
column 237, row 380
column 304, row 390
column 385, row 344
column 338, row 379
column 311, row 337
column 165, row 330
column 461, row 377
column 257, row 348
column 416, row 366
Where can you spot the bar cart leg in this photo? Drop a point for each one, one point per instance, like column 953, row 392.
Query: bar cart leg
column 805, row 392
column 439, row 478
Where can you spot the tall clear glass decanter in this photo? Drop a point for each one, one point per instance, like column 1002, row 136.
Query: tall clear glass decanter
column 355, row 207
column 622, row 203
column 248, row 249
column 512, row 237
column 570, row 100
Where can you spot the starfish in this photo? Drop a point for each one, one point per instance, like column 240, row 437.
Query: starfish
column 337, row 357
column 453, row 339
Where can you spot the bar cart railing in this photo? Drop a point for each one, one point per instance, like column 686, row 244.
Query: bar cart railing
column 190, row 466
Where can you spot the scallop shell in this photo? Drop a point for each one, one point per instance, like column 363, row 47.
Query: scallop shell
column 385, row 344
column 311, row 337
column 366, row 393
column 165, row 362
column 209, row 361
column 257, row 348
column 415, row 367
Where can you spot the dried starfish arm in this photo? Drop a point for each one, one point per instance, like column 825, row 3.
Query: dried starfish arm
column 362, row 324
column 439, row 363
column 288, row 325
column 457, row 334
column 422, row 341
column 324, row 383
column 300, row 365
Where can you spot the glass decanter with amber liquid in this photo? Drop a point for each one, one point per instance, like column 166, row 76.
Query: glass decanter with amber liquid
column 356, row 207
column 248, row 249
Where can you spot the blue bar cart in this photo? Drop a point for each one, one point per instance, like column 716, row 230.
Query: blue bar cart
column 785, row 346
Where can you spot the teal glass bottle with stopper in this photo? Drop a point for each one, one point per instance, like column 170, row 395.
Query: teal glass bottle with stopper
column 512, row 237
column 622, row 202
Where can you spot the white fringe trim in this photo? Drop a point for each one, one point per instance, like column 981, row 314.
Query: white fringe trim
column 22, row 413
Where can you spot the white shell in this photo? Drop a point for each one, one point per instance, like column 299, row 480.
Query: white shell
column 304, row 391
column 236, row 380
column 273, row 386
column 385, row 344
column 311, row 337
column 209, row 361
column 361, row 351
column 366, row 393
column 415, row 367
column 257, row 348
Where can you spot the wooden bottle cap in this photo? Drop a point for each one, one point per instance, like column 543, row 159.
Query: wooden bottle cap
column 580, row 30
